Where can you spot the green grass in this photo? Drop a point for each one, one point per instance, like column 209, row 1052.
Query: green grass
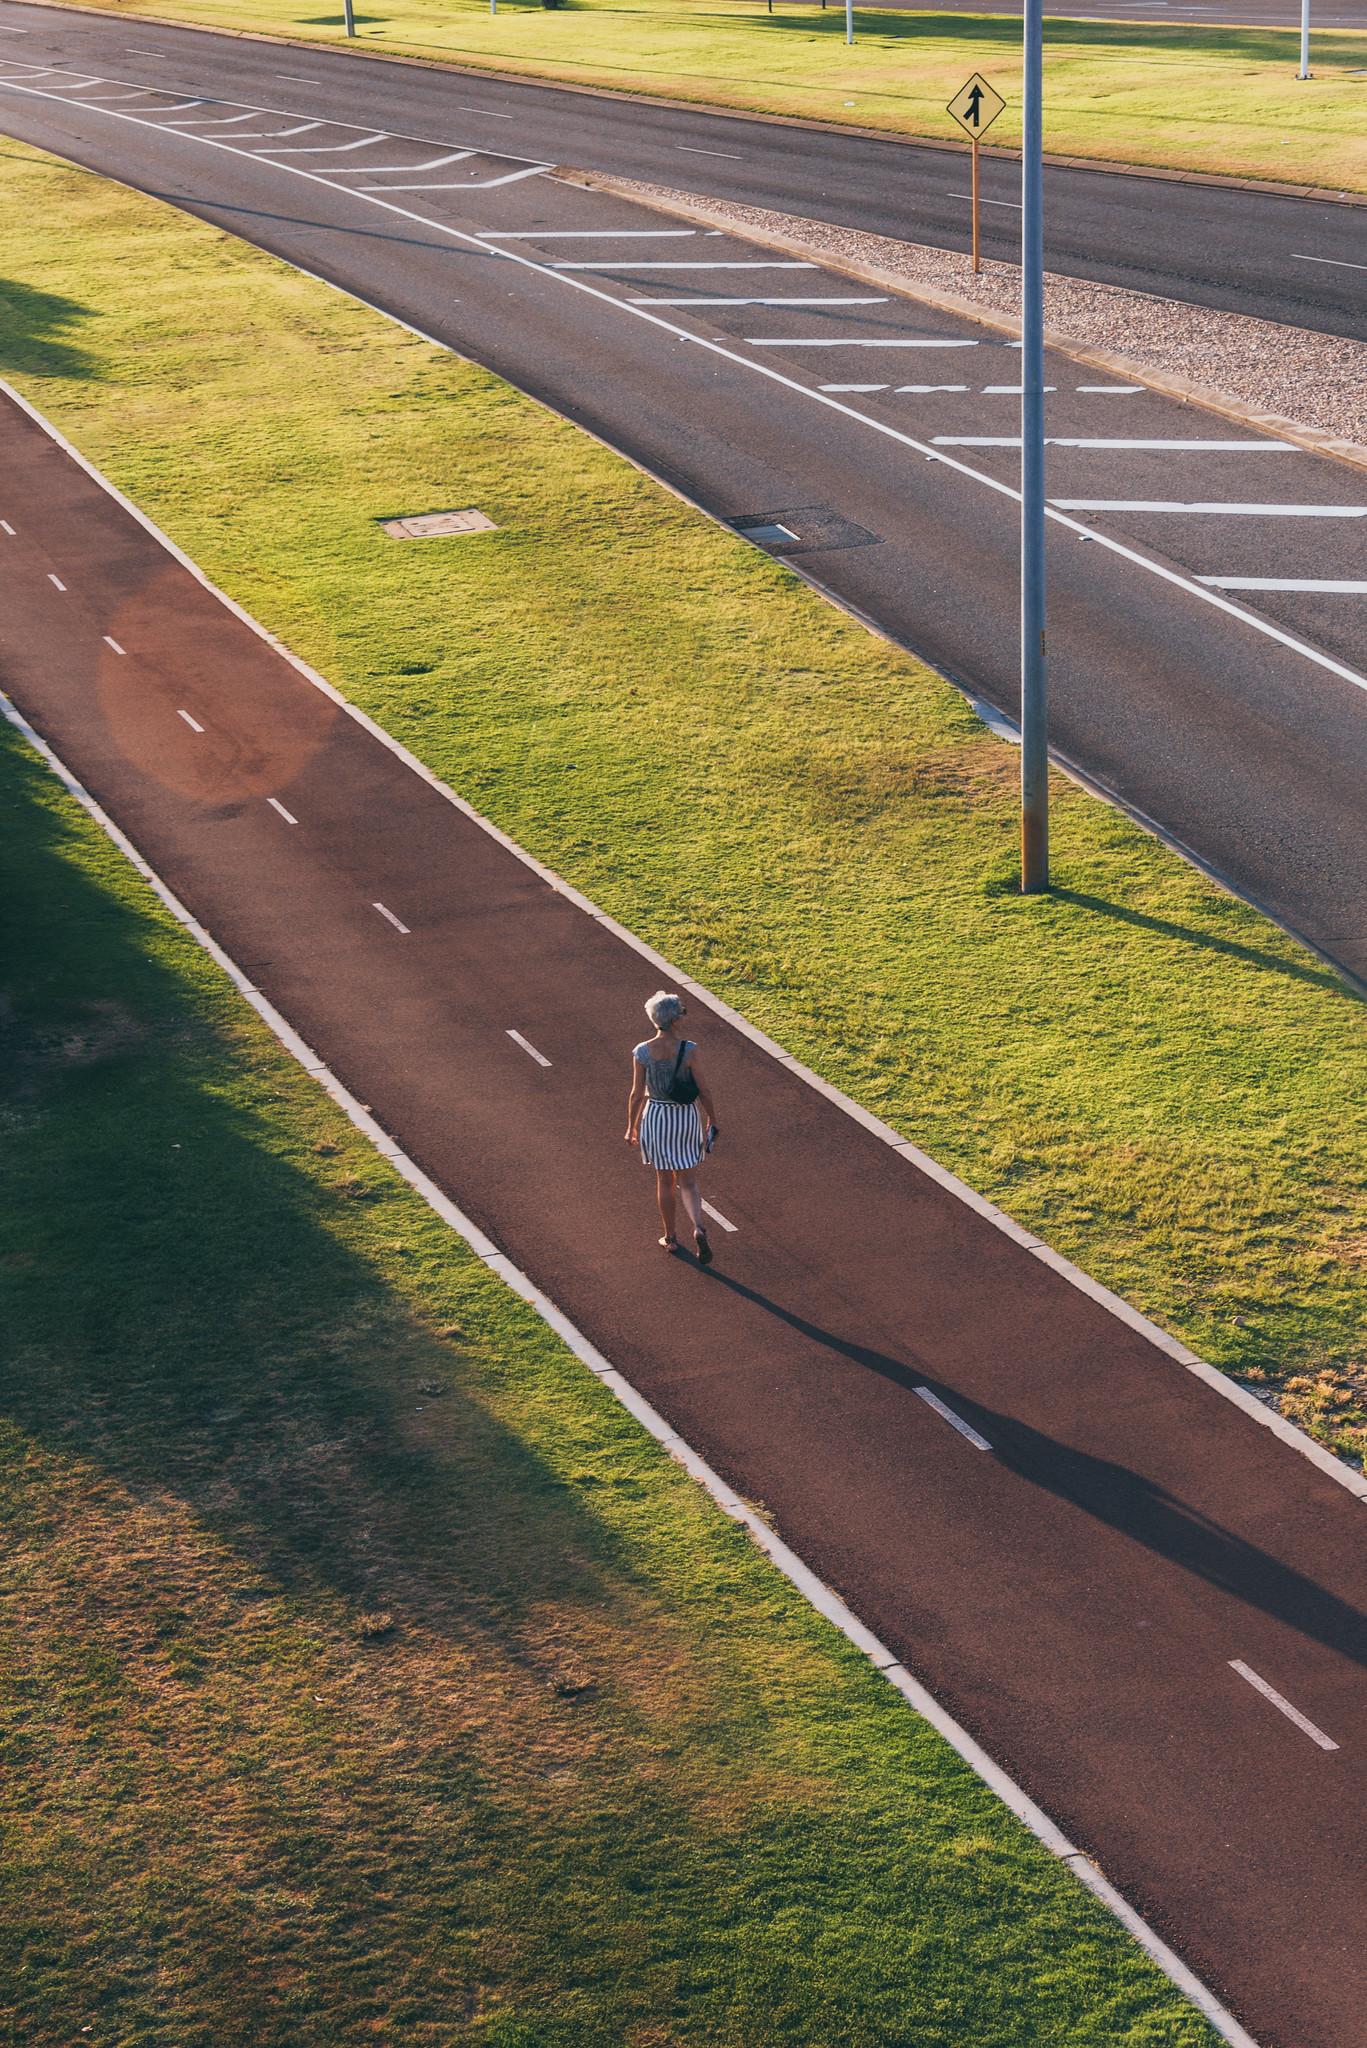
column 1215, row 99
column 1137, row 1066
column 366, row 1675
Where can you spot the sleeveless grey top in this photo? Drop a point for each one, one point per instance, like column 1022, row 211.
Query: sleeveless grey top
column 660, row 1073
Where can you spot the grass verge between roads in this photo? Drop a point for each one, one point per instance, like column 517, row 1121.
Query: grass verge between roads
column 1184, row 98
column 368, row 1675
column 1137, row 1066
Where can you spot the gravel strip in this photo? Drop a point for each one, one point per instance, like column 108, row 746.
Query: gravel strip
column 1316, row 380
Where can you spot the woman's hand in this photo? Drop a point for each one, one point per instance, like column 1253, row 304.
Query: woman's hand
column 630, row 1135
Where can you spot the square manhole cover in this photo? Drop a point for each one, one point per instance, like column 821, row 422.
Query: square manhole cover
column 432, row 525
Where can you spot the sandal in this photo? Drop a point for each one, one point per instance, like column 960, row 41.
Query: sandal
column 704, row 1248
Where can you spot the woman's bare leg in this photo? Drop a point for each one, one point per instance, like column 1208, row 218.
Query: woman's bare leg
column 664, row 1195
column 691, row 1195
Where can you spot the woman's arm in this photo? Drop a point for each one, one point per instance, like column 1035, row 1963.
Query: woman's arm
column 704, row 1093
column 636, row 1100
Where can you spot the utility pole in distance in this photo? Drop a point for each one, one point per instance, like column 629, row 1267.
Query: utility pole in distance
column 849, row 21
column 1034, row 689
column 1304, row 71
column 350, row 17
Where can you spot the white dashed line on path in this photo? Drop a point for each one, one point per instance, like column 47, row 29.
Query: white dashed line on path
column 193, row 723
column 110, row 641
column 1079, row 441
column 717, row 1217
column 691, row 300
column 8, row 528
column 132, row 51
column 276, row 805
column 729, row 154
column 1283, row 1706
column 583, row 235
column 1336, row 262
column 1238, row 511
column 55, row 581
column 883, row 387
column 848, row 341
column 397, row 923
column 487, row 113
column 1110, row 390
column 527, row 1046
column 1328, row 587
column 632, row 263
column 923, row 389
column 955, row 1421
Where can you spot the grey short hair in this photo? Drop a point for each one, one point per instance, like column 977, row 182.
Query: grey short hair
column 663, row 1008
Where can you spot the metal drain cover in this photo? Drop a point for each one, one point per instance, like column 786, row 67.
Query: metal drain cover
column 803, row 528
column 432, row 525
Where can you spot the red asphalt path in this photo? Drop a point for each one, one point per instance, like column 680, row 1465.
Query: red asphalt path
column 1079, row 1592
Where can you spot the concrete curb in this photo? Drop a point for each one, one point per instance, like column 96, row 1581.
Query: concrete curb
column 471, row 69
column 812, row 1589
column 1314, row 439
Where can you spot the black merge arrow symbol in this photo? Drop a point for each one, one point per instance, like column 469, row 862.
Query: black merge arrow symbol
column 975, row 105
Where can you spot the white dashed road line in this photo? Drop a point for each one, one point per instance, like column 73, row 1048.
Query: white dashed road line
column 276, row 805
column 632, row 263
column 955, row 1421
column 1111, row 390
column 8, row 528
column 55, row 581
column 883, row 387
column 692, row 300
column 1330, row 588
column 397, row 923
column 729, row 154
column 717, row 1217
column 849, row 341
column 193, row 723
column 1081, row 441
column 923, row 389
column 1238, row 511
column 1283, row 1706
column 110, row 641
column 583, row 235
column 527, row 1046
column 1335, row 262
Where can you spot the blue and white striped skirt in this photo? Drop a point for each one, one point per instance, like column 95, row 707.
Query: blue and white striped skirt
column 671, row 1136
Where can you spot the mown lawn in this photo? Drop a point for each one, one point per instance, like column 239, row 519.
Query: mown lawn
column 1207, row 99
column 1137, row 1066
column 366, row 1675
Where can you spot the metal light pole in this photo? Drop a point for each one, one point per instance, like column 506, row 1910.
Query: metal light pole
column 350, row 17
column 1034, row 697
column 1304, row 71
column 849, row 21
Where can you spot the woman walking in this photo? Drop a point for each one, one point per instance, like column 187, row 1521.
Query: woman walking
column 670, row 1115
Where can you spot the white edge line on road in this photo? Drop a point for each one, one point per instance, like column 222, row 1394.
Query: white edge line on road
column 527, row 1046
column 397, row 922
column 1352, row 1481
column 1287, row 583
column 812, row 1589
column 193, row 723
column 276, row 805
column 717, row 1217
column 932, row 1400
column 55, row 581
column 1282, row 1705
column 110, row 641
column 729, row 154
column 1335, row 262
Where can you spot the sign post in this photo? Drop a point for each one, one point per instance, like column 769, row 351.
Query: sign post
column 350, row 17
column 1304, row 71
column 975, row 107
column 1034, row 700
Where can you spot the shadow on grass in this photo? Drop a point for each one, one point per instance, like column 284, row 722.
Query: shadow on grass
column 33, row 327
column 181, row 1313
column 1110, row 1493
column 1188, row 935
column 1107, row 38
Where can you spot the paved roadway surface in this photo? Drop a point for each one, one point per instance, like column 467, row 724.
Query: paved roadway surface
column 1293, row 260
column 873, row 439
column 1097, row 1588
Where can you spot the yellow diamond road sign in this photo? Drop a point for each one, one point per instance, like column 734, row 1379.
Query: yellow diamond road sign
column 975, row 106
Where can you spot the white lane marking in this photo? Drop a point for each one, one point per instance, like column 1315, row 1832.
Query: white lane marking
column 193, row 723
column 275, row 134
column 527, row 1046
column 1014, row 204
column 848, row 341
column 333, row 148
column 1335, row 262
column 436, row 163
column 955, row 1421
column 1056, row 509
column 1239, row 511
column 397, row 923
column 1120, row 390
column 452, row 185
column 227, row 121
column 132, row 50
column 276, row 805
column 4, row 522
column 729, row 154
column 1011, row 390
column 1080, row 441
column 55, row 580
column 691, row 300
column 717, row 1217
column 1283, row 1706
column 110, row 641
column 532, row 171
column 1284, row 583
column 584, row 235
column 872, row 387
column 296, row 78
column 629, row 262
column 485, row 112
column 924, row 388
column 179, row 107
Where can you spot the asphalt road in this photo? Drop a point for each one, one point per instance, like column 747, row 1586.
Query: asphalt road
column 1294, row 260
column 1102, row 1579
column 874, row 440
